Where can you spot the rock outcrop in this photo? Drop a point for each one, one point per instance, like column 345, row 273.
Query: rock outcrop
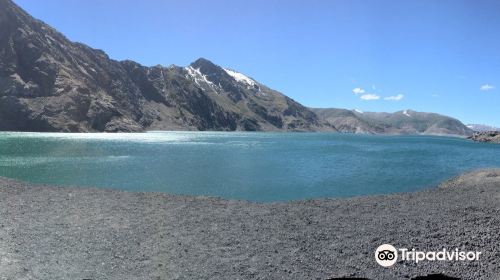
column 486, row 136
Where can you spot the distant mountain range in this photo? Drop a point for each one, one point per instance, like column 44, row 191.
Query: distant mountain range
column 482, row 127
column 48, row 83
column 402, row 122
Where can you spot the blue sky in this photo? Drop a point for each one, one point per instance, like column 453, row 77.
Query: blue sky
column 438, row 56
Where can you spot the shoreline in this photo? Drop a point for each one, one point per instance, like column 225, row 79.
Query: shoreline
column 76, row 233
column 243, row 131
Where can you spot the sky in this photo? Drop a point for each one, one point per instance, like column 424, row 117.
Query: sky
column 438, row 56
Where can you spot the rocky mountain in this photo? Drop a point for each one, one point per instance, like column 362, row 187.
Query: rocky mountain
column 482, row 127
column 401, row 122
column 48, row 83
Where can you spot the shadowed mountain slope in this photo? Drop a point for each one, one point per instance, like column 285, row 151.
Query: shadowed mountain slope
column 48, row 83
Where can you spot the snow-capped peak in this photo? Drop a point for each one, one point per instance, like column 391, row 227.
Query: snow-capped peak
column 240, row 78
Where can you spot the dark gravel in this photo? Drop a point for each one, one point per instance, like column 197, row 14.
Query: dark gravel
column 75, row 233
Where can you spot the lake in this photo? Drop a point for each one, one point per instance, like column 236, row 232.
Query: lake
column 242, row 165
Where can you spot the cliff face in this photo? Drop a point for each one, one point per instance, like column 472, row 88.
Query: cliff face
column 402, row 122
column 48, row 83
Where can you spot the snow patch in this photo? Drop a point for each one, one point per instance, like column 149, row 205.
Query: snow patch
column 405, row 112
column 240, row 78
column 358, row 111
column 198, row 77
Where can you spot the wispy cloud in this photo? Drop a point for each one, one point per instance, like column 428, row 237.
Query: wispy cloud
column 374, row 95
column 370, row 96
column 487, row 87
column 358, row 91
column 394, row 98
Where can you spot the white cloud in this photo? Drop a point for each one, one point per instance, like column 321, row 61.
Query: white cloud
column 395, row 97
column 370, row 97
column 358, row 90
column 486, row 87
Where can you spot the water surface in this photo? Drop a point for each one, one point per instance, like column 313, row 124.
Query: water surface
column 251, row 166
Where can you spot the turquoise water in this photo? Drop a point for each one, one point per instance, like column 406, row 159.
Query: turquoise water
column 251, row 166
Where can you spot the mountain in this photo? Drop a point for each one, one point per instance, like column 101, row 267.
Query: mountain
column 48, row 83
column 482, row 127
column 401, row 122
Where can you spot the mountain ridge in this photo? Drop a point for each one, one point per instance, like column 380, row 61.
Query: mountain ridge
column 400, row 122
column 49, row 83
column 482, row 127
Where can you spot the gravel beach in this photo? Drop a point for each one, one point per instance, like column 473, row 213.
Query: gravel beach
column 51, row 232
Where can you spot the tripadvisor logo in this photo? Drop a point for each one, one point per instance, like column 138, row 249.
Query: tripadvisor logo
column 387, row 255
